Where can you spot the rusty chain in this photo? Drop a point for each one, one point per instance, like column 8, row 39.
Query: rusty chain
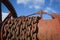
column 22, row 28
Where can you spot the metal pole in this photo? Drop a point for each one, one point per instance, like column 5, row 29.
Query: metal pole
column 0, row 15
column 0, row 19
column 10, row 7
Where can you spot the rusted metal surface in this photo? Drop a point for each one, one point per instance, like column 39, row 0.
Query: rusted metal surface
column 49, row 29
column 31, row 28
column 41, row 12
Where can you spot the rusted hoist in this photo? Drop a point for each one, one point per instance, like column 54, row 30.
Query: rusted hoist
column 29, row 28
column 22, row 28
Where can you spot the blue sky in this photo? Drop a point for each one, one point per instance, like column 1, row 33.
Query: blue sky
column 26, row 7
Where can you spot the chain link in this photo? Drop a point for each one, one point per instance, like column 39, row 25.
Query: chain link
column 22, row 28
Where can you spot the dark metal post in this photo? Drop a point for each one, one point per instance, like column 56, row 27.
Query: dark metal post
column 0, row 15
column 10, row 7
column 0, row 19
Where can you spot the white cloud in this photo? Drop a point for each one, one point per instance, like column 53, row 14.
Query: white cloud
column 30, row 1
column 22, row 1
column 4, row 15
column 48, row 9
column 35, row 7
column 36, row 3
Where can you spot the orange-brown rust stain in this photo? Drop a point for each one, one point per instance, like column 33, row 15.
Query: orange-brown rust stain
column 49, row 29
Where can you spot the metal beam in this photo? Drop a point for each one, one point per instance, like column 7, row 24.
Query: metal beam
column 0, row 15
column 0, row 19
column 10, row 7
